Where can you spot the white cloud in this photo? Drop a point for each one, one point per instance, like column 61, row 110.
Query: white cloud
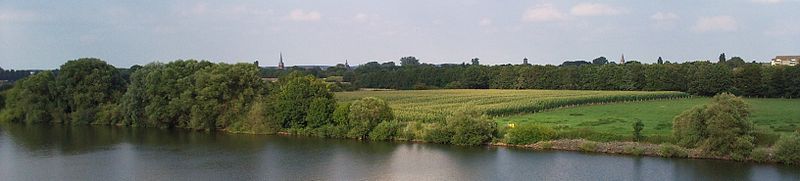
column 595, row 9
column 542, row 13
column 9, row 15
column 715, row 23
column 301, row 15
column 485, row 22
column 664, row 16
column 767, row 1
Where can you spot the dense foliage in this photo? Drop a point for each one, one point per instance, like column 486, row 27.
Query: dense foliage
column 367, row 113
column 787, row 149
column 470, row 127
column 190, row 94
column 74, row 95
column 720, row 128
column 698, row 78
column 302, row 101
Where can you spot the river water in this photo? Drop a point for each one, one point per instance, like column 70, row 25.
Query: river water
column 112, row 153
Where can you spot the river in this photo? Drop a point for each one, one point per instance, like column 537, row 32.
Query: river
column 113, row 153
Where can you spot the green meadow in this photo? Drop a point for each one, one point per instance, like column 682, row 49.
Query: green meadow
column 775, row 115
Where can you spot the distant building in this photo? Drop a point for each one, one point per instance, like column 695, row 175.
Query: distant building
column 280, row 64
column 786, row 60
column 622, row 60
column 346, row 64
column 525, row 61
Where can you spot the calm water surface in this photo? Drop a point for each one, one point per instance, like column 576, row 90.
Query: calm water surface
column 109, row 153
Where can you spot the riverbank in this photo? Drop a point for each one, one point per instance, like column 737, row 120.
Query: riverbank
column 615, row 147
column 634, row 148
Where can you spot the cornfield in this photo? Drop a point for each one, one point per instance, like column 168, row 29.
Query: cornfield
column 436, row 105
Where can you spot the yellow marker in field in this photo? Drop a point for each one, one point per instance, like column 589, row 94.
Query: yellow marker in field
column 512, row 125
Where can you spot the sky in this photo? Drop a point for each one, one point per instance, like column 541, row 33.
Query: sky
column 44, row 34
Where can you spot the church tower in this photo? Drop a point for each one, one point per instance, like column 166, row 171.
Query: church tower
column 346, row 65
column 280, row 64
column 525, row 61
column 622, row 60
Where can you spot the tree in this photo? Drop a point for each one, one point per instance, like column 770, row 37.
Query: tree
column 469, row 127
column 736, row 62
column 409, row 61
column 787, row 149
column 30, row 100
column 637, row 130
column 340, row 114
column 476, row 61
column 722, row 58
column 475, row 77
column 83, row 84
column 748, row 80
column 720, row 128
column 600, row 61
column 710, row 79
column 660, row 61
column 575, row 63
column 294, row 96
column 320, row 112
column 367, row 113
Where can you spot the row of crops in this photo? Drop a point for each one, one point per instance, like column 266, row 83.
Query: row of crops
column 436, row 105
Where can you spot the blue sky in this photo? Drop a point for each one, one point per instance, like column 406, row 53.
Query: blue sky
column 44, row 34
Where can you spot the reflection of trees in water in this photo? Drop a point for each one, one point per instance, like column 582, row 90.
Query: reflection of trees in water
column 64, row 139
column 309, row 158
column 685, row 169
column 68, row 139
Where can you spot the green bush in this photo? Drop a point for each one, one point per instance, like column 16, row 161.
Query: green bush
column 367, row 113
column 384, row 131
column 670, row 150
column 588, row 146
column 760, row 155
column 320, row 112
column 720, row 128
column 438, row 133
column 528, row 134
column 469, row 127
column 340, row 114
column 108, row 114
column 256, row 121
column 413, row 130
column 787, row 149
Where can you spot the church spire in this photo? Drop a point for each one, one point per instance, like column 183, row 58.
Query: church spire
column 346, row 64
column 280, row 64
column 622, row 60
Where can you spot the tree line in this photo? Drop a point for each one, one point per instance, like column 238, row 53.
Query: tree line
column 189, row 94
column 703, row 78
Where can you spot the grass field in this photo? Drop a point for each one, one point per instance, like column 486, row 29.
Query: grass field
column 435, row 105
column 777, row 115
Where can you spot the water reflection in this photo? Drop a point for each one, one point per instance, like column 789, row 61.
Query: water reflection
column 112, row 153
